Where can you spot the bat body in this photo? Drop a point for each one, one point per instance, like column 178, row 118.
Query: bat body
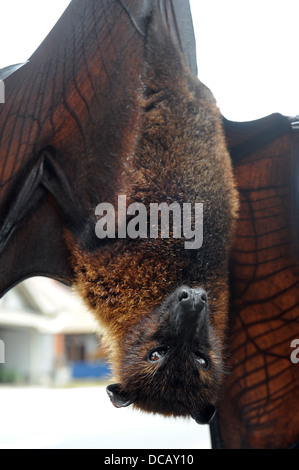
column 134, row 286
column 114, row 110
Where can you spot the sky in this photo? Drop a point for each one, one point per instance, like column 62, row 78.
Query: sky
column 247, row 50
column 247, row 54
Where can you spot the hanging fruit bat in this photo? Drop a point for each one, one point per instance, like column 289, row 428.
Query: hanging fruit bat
column 110, row 106
column 107, row 107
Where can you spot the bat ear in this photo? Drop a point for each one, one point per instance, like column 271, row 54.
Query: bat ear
column 206, row 415
column 118, row 397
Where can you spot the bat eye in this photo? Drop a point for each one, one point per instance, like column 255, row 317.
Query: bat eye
column 156, row 355
column 203, row 361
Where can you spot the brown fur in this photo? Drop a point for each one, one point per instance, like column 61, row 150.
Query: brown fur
column 180, row 156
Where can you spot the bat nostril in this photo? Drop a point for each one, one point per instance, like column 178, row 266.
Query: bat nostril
column 200, row 296
column 183, row 295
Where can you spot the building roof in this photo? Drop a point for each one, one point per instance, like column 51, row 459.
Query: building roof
column 47, row 306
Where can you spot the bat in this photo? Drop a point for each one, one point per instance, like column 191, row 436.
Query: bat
column 109, row 105
column 106, row 108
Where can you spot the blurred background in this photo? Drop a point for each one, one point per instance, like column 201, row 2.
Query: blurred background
column 53, row 379
column 57, row 336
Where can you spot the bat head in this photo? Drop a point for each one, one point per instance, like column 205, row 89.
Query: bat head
column 171, row 360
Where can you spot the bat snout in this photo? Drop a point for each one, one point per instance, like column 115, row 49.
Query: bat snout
column 191, row 312
column 192, row 299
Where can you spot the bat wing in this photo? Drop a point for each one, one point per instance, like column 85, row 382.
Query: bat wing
column 262, row 389
column 178, row 19
column 78, row 94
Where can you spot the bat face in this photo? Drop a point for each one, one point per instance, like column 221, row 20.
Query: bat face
column 171, row 361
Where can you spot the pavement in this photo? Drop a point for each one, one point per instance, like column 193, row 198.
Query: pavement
column 83, row 418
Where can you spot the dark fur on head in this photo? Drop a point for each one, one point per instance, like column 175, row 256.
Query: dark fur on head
column 180, row 156
column 176, row 383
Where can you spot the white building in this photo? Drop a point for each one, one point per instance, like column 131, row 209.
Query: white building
column 36, row 318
